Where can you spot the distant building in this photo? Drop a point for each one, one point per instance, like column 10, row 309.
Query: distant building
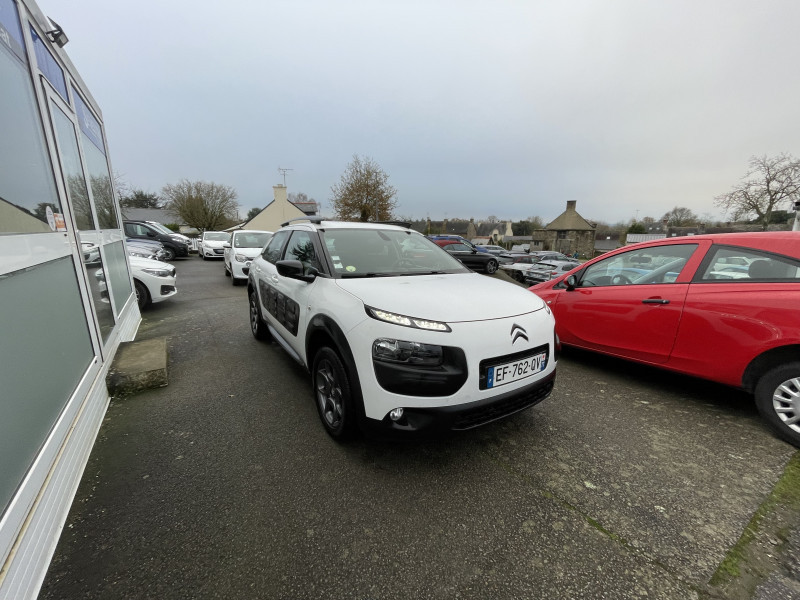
column 568, row 233
column 279, row 211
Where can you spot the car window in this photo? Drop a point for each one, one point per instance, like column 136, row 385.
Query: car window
column 301, row 247
column 655, row 264
column 216, row 236
column 728, row 263
column 251, row 239
column 457, row 248
column 384, row 252
column 272, row 252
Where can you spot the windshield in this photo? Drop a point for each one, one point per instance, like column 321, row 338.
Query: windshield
column 251, row 239
column 216, row 236
column 385, row 252
column 159, row 227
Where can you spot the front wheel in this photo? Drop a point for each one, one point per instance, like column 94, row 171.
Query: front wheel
column 778, row 400
column 142, row 295
column 491, row 266
column 332, row 394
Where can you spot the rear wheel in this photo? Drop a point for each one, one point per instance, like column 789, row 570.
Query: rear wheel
column 778, row 400
column 169, row 253
column 257, row 325
column 333, row 396
column 491, row 266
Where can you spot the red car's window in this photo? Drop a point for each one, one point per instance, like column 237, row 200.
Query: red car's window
column 654, row 264
column 728, row 263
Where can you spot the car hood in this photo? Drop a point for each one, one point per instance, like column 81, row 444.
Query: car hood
column 248, row 252
column 138, row 262
column 451, row 298
column 213, row 243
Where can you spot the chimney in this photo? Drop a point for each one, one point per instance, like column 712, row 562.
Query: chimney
column 279, row 193
column 571, row 204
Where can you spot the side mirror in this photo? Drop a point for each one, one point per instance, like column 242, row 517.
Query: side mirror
column 571, row 282
column 293, row 269
column 226, row 245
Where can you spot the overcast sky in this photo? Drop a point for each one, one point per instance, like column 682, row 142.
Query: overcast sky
column 483, row 108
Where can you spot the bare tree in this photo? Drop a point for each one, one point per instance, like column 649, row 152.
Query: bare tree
column 680, row 216
column 363, row 193
column 203, row 205
column 769, row 184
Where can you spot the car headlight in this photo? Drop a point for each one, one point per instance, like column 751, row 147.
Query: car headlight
column 402, row 351
column 241, row 258
column 382, row 315
column 158, row 272
column 139, row 254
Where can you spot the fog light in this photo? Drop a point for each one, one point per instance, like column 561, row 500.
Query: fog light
column 396, row 414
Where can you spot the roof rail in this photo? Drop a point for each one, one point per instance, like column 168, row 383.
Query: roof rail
column 312, row 219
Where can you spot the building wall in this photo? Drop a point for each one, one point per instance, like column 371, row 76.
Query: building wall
column 277, row 212
column 64, row 310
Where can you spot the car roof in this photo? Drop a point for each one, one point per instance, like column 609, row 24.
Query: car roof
column 320, row 223
column 786, row 242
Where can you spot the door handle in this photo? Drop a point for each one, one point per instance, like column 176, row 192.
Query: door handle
column 655, row 301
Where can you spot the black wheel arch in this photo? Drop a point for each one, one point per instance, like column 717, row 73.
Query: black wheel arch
column 766, row 361
column 322, row 331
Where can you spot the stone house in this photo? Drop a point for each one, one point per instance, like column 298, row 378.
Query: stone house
column 568, row 233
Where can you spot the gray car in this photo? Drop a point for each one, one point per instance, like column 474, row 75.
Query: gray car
column 545, row 271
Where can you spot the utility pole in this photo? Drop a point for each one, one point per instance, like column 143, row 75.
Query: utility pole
column 283, row 172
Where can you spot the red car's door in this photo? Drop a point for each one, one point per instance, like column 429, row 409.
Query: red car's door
column 628, row 305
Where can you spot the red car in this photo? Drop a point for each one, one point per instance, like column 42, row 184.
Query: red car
column 723, row 307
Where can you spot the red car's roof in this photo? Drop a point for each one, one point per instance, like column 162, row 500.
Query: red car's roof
column 785, row 242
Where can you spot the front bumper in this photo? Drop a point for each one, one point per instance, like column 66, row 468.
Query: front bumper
column 462, row 417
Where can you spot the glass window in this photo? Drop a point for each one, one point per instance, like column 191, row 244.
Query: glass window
column 656, row 264
column 301, row 247
column 44, row 316
column 118, row 274
column 728, row 263
column 28, row 199
column 272, row 253
column 73, row 172
column 48, row 65
column 251, row 239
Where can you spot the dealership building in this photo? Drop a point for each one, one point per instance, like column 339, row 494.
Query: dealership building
column 66, row 294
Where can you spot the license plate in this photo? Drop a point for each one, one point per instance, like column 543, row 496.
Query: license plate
column 516, row 370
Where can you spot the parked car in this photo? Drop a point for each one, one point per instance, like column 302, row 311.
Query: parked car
column 167, row 231
column 210, row 244
column 477, row 261
column 456, row 238
column 148, row 247
column 545, row 271
column 503, row 255
column 398, row 337
column 145, row 230
column 671, row 304
column 519, row 266
column 245, row 245
column 153, row 281
column 548, row 255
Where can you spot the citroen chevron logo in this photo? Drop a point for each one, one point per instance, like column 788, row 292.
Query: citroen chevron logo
column 518, row 332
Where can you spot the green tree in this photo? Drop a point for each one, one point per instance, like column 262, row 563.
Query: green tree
column 363, row 193
column 770, row 183
column 680, row 216
column 203, row 205
column 140, row 199
column 251, row 214
column 528, row 226
column 636, row 227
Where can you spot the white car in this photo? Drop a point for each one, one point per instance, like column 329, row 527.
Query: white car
column 211, row 244
column 399, row 337
column 245, row 245
column 153, row 280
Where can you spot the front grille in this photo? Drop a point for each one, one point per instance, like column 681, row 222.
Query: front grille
column 502, row 408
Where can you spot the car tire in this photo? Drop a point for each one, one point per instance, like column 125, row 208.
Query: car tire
column 257, row 325
column 519, row 276
column 491, row 266
column 332, row 394
column 202, row 255
column 778, row 400
column 169, row 253
column 225, row 268
column 234, row 281
column 142, row 295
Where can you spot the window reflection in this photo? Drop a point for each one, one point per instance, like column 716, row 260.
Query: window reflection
column 73, row 171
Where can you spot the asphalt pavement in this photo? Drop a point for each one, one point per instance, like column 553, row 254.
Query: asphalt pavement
column 627, row 482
